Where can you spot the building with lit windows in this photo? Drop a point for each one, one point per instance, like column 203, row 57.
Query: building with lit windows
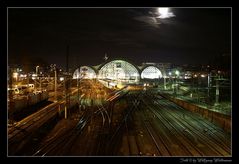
column 120, row 71
column 85, row 72
column 151, row 72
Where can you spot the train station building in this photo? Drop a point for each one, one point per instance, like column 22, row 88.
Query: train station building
column 122, row 71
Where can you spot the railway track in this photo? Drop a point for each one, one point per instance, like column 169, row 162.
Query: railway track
column 214, row 132
column 161, row 128
column 187, row 133
column 61, row 144
column 35, row 120
column 157, row 146
column 116, row 134
column 150, row 126
column 206, row 126
column 93, row 123
column 24, row 130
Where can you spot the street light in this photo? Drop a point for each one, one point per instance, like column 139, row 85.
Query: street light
column 53, row 68
column 15, row 75
column 170, row 80
column 36, row 77
column 61, row 78
column 208, row 85
column 176, row 83
column 217, row 92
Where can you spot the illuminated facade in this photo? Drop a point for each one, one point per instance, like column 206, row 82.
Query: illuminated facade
column 119, row 70
column 76, row 74
column 151, row 72
column 84, row 72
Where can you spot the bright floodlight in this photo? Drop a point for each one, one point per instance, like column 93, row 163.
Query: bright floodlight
column 164, row 12
column 15, row 74
column 177, row 72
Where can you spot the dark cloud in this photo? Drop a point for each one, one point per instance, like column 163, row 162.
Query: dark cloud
column 149, row 21
column 133, row 33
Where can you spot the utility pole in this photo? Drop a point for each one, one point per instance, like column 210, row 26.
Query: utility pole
column 208, row 85
column 78, row 90
column 40, row 82
column 164, row 77
column 55, row 84
column 174, row 86
column 36, row 78
column 164, row 81
column 78, row 94
column 176, row 80
column 67, row 83
column 10, row 84
column 217, row 92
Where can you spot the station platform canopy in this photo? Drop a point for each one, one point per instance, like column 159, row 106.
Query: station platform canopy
column 119, row 70
column 151, row 72
column 84, row 72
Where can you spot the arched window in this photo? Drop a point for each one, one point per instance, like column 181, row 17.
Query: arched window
column 119, row 70
column 151, row 72
column 84, row 72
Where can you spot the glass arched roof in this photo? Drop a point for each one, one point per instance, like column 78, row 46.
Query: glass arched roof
column 84, row 72
column 119, row 70
column 151, row 72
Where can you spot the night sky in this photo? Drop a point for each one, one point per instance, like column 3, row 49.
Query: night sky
column 192, row 36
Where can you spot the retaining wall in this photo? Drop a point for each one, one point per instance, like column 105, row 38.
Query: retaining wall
column 220, row 119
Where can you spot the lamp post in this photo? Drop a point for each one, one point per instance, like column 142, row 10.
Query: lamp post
column 208, row 85
column 15, row 75
column 78, row 94
column 36, row 77
column 217, row 92
column 55, row 84
column 164, row 81
column 176, row 82
column 170, row 79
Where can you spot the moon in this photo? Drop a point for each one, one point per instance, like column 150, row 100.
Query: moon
column 164, row 12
